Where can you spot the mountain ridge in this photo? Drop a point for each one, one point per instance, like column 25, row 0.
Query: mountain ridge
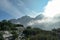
column 26, row 19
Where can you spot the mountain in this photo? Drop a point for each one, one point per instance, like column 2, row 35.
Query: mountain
column 39, row 17
column 26, row 19
column 13, row 21
column 39, row 21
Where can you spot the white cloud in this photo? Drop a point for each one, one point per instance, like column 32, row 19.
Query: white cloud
column 9, row 8
column 52, row 8
column 52, row 16
column 46, row 23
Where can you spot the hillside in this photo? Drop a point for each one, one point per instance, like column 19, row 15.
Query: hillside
column 17, row 31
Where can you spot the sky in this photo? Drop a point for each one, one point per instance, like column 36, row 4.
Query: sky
column 52, row 9
column 10, row 9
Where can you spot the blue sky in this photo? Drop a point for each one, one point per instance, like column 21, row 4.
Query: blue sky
column 17, row 8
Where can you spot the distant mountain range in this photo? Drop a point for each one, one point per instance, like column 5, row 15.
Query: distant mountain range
column 26, row 19
column 39, row 21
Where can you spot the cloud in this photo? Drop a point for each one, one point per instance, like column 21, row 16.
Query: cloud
column 52, row 8
column 6, row 6
column 18, row 8
column 51, row 18
column 46, row 23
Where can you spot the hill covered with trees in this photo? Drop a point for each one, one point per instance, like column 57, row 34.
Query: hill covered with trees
column 28, row 33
